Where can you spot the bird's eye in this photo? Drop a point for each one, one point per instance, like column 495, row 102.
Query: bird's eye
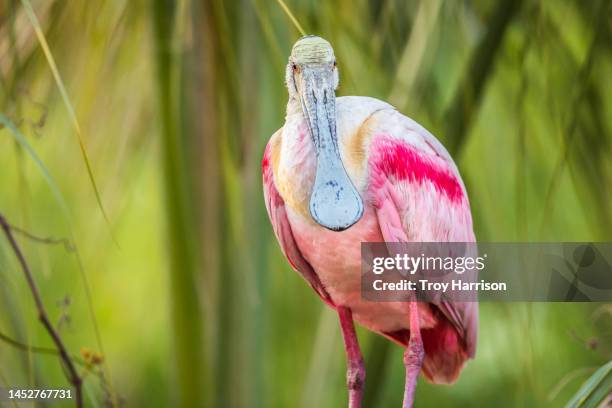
column 296, row 68
column 335, row 64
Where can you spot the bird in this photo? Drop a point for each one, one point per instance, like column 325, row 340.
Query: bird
column 353, row 169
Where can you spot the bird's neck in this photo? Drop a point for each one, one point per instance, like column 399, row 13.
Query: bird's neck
column 297, row 161
column 294, row 107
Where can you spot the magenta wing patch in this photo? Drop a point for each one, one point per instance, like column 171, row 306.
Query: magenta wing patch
column 418, row 197
column 402, row 161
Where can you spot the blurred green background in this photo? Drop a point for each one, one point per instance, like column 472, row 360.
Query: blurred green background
column 195, row 305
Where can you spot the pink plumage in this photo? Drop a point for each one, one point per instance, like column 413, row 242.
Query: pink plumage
column 378, row 177
column 399, row 173
column 403, row 162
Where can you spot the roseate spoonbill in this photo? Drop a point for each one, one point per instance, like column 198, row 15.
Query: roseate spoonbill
column 350, row 170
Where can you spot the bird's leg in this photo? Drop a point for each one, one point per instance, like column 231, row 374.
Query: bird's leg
column 355, row 373
column 413, row 356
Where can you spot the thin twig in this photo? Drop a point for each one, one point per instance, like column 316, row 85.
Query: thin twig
column 71, row 372
column 86, row 365
column 44, row 240
column 26, row 347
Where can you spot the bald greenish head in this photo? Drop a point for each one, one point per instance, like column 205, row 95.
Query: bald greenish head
column 312, row 50
column 312, row 79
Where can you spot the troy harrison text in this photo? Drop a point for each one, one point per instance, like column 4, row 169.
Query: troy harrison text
column 426, row 285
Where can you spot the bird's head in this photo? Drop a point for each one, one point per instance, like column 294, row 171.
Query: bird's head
column 312, row 67
column 312, row 79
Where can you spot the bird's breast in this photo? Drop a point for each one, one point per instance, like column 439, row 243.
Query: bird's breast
column 336, row 256
column 336, row 259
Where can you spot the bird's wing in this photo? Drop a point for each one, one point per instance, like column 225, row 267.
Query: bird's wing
column 419, row 197
column 282, row 229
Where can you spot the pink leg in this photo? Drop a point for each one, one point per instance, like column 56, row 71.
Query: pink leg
column 355, row 373
column 413, row 356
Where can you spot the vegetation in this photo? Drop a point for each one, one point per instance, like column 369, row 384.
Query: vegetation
column 131, row 134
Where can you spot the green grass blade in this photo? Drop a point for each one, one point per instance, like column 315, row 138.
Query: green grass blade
column 323, row 365
column 594, row 390
column 291, row 17
column 60, row 84
column 18, row 136
column 181, row 230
